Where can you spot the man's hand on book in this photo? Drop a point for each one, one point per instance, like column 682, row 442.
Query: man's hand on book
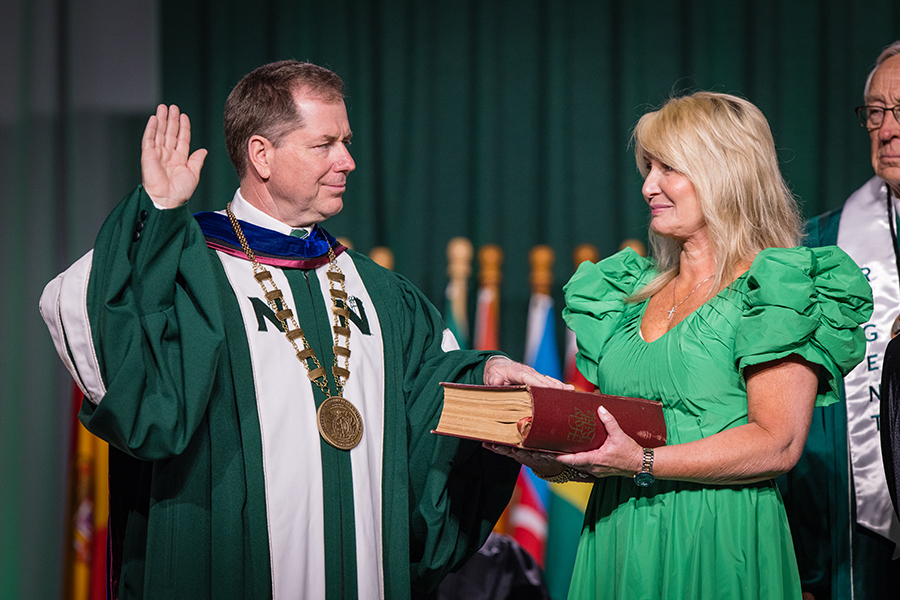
column 500, row 370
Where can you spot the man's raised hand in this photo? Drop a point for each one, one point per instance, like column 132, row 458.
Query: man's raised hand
column 169, row 174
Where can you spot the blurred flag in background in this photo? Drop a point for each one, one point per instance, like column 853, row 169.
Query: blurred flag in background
column 85, row 572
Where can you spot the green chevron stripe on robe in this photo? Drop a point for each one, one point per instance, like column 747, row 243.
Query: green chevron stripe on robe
column 221, row 485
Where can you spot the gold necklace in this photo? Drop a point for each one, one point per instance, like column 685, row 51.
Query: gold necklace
column 672, row 310
column 339, row 422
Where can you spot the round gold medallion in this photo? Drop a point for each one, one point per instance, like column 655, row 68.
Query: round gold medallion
column 340, row 423
column 895, row 328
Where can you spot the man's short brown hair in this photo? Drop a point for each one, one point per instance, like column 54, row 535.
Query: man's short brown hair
column 262, row 103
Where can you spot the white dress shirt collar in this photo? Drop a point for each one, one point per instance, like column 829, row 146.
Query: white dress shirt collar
column 245, row 211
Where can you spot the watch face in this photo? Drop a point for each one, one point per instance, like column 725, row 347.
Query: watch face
column 644, row 479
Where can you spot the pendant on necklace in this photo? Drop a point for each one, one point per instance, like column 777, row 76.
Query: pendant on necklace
column 895, row 328
column 340, row 423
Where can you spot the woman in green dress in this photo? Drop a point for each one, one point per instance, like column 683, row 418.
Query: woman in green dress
column 738, row 332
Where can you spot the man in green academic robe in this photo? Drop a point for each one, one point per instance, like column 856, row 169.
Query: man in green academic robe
column 253, row 453
column 845, row 530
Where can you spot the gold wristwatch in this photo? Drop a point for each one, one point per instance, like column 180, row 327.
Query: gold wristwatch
column 645, row 477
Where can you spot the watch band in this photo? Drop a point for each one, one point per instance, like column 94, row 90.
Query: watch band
column 645, row 477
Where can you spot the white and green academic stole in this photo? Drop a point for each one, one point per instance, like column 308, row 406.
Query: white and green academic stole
column 864, row 234
column 291, row 441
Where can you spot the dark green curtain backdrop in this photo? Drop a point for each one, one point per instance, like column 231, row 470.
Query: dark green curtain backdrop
column 508, row 122
column 503, row 121
column 77, row 81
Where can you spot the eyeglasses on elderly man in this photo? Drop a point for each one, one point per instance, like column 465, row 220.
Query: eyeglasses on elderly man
column 872, row 117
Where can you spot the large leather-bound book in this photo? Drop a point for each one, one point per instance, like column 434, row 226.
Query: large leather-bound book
column 546, row 419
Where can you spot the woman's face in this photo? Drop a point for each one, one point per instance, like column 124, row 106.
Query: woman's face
column 674, row 207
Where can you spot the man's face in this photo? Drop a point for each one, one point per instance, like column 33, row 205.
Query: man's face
column 884, row 91
column 309, row 168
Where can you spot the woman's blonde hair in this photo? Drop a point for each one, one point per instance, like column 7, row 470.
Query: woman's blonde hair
column 723, row 144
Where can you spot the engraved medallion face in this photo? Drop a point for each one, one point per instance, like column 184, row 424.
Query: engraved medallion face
column 340, row 424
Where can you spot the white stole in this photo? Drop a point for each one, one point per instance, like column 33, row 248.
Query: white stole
column 865, row 235
column 291, row 459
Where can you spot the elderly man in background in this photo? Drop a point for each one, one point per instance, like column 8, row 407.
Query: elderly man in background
column 846, row 533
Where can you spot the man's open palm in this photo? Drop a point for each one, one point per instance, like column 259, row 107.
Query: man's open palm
column 169, row 174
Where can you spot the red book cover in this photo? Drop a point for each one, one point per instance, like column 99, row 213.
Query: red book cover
column 557, row 420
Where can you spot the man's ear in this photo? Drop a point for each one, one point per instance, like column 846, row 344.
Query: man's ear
column 259, row 154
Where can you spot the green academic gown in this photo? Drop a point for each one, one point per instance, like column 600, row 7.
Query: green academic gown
column 182, row 372
column 838, row 559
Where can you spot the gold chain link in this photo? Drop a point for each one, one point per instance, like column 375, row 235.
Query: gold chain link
column 285, row 315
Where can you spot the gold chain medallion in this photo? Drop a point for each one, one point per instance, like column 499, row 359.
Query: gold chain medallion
column 339, row 422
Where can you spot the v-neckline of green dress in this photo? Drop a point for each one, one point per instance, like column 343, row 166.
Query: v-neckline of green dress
column 689, row 316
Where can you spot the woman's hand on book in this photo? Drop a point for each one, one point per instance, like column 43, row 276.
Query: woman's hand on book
column 540, row 462
column 619, row 454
